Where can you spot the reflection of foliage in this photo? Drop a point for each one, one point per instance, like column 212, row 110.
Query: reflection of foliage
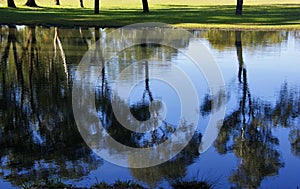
column 191, row 185
column 175, row 168
column 295, row 142
column 287, row 107
column 286, row 113
column 252, row 141
column 121, row 134
column 38, row 134
column 259, row 157
column 58, row 184
column 247, row 131
column 172, row 169
column 221, row 40
column 139, row 110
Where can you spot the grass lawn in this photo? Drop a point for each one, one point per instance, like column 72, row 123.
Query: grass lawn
column 258, row 14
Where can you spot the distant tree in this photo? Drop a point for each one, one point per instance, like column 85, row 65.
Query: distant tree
column 31, row 3
column 239, row 7
column 11, row 3
column 57, row 2
column 81, row 3
column 97, row 6
column 145, row 6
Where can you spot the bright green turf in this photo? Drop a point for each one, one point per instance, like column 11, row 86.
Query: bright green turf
column 263, row 14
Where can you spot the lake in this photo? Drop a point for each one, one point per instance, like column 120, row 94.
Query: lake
column 257, row 144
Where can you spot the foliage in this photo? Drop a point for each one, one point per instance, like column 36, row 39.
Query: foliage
column 57, row 184
column 191, row 185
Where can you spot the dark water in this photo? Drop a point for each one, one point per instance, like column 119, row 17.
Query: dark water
column 258, row 145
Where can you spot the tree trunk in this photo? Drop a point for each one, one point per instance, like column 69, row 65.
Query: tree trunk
column 11, row 3
column 239, row 52
column 31, row 3
column 239, row 7
column 81, row 4
column 97, row 6
column 57, row 2
column 145, row 6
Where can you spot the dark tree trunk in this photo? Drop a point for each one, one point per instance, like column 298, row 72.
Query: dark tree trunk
column 81, row 3
column 97, row 34
column 242, row 75
column 31, row 3
column 97, row 6
column 239, row 7
column 239, row 52
column 145, row 6
column 57, row 2
column 11, row 3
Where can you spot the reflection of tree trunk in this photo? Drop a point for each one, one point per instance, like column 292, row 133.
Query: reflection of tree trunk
column 83, row 38
column 17, row 62
column 98, row 57
column 239, row 7
column 145, row 6
column 32, row 50
column 63, row 56
column 54, row 43
column 239, row 51
column 147, row 88
column 33, row 46
column 11, row 3
column 31, row 3
column 242, row 75
column 144, row 58
column 12, row 40
column 3, row 69
column 81, row 4
column 97, row 35
column 97, row 4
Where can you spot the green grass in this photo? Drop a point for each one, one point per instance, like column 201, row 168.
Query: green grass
column 264, row 14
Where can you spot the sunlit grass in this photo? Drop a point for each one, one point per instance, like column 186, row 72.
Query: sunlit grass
column 108, row 4
column 264, row 14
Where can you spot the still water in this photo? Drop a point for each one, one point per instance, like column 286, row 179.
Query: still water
column 258, row 145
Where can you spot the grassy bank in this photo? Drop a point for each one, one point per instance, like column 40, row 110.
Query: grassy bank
column 264, row 14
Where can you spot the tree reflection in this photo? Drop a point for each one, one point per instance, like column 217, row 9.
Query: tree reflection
column 285, row 114
column 142, row 110
column 247, row 133
column 222, row 40
column 174, row 169
column 38, row 135
column 39, row 139
column 295, row 142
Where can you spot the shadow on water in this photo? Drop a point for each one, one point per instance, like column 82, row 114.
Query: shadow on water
column 39, row 138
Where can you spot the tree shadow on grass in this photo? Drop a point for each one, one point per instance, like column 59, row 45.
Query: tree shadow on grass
column 221, row 14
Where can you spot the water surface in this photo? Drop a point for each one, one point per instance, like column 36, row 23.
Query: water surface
column 258, row 144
